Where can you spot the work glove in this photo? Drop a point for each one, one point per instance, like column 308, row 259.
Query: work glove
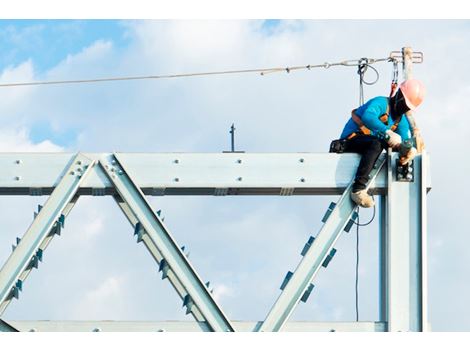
column 419, row 140
column 393, row 139
column 404, row 159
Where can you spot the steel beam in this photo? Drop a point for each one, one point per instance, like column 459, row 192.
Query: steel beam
column 6, row 327
column 406, row 240
column 185, row 326
column 192, row 173
column 44, row 244
column 157, row 233
column 158, row 257
column 314, row 258
column 19, row 260
column 382, row 254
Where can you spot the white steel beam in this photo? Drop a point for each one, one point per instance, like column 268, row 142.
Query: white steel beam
column 44, row 244
column 158, row 257
column 49, row 216
column 406, row 240
column 193, row 173
column 156, row 231
column 6, row 327
column 314, row 258
column 185, row 326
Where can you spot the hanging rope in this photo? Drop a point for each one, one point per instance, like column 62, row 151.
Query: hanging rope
column 362, row 67
column 261, row 71
column 394, row 78
column 358, row 224
column 357, row 267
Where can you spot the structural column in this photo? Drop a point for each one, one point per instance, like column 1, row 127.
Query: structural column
column 406, row 306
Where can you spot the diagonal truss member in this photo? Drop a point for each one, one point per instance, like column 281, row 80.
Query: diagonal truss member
column 48, row 221
column 299, row 282
column 150, row 230
column 173, row 262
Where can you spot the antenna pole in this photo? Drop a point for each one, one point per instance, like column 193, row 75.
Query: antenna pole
column 232, row 132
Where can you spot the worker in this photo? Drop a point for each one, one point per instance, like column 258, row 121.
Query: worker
column 378, row 124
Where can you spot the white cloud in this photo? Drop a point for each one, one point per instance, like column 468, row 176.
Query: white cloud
column 14, row 98
column 221, row 291
column 104, row 300
column 18, row 141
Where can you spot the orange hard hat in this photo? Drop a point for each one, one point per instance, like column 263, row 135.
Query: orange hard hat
column 413, row 90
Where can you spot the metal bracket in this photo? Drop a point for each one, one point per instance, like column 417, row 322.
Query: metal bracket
column 405, row 173
column 330, row 209
column 286, row 279
column 417, row 57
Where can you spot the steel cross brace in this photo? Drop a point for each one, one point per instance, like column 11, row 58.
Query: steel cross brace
column 18, row 265
column 159, row 238
column 42, row 247
column 314, row 257
column 155, row 253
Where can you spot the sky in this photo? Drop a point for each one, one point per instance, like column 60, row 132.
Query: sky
column 243, row 245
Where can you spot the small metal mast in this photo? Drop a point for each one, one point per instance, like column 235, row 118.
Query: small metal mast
column 232, row 132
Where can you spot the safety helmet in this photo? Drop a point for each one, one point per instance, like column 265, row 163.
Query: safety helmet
column 413, row 91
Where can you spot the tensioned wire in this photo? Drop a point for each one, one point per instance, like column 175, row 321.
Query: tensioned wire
column 261, row 71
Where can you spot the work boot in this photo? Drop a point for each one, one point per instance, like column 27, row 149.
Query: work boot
column 362, row 198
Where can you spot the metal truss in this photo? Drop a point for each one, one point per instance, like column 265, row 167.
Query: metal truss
column 128, row 178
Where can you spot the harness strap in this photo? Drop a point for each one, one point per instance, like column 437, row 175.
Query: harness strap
column 366, row 131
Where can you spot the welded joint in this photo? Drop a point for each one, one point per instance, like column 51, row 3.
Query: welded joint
column 13, row 246
column 288, row 191
column 220, row 191
column 98, row 192
column 286, row 280
column 188, row 303
column 164, row 268
column 329, row 257
column 307, row 293
column 330, row 209
column 158, row 191
column 307, row 246
column 35, row 191
column 351, row 222
column 139, row 232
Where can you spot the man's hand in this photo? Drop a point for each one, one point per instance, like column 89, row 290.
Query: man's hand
column 410, row 155
column 419, row 140
column 394, row 139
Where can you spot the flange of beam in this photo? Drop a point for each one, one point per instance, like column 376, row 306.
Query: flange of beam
column 185, row 326
column 192, row 173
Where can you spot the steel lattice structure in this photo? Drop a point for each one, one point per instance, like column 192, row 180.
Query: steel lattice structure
column 129, row 178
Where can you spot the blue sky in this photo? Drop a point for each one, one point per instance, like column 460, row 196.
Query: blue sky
column 274, row 113
column 49, row 42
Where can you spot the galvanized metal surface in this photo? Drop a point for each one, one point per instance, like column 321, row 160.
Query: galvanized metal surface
column 44, row 244
column 402, row 252
column 313, row 258
column 20, row 258
column 406, row 295
column 186, row 326
column 192, row 173
column 161, row 239
column 155, row 253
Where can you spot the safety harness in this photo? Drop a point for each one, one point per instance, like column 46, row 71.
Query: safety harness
column 363, row 130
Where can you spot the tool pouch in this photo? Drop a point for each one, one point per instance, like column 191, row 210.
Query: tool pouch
column 338, row 146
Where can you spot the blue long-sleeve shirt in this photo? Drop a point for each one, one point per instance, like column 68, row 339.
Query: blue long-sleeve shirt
column 370, row 114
